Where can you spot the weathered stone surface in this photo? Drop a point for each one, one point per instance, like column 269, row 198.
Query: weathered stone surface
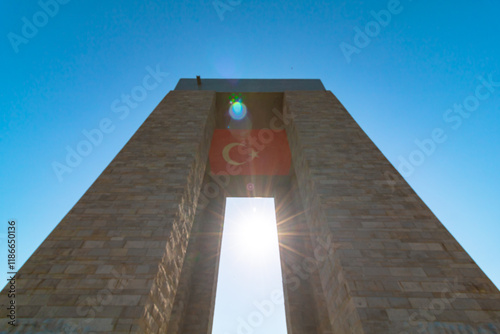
column 121, row 246
column 394, row 267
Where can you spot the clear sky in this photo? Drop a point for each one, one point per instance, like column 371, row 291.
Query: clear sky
column 249, row 296
column 402, row 69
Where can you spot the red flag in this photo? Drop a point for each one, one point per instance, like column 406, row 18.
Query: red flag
column 250, row 152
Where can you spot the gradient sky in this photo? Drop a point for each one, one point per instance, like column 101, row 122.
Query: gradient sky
column 399, row 84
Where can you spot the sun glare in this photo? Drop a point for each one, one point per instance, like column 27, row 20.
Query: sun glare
column 255, row 234
column 249, row 297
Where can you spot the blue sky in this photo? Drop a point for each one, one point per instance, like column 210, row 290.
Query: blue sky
column 62, row 77
column 249, row 265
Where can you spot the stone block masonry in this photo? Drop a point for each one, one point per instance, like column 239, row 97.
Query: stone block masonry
column 360, row 255
column 394, row 268
column 113, row 263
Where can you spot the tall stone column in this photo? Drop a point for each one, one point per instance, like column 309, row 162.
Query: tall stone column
column 195, row 299
column 393, row 268
column 304, row 298
column 112, row 265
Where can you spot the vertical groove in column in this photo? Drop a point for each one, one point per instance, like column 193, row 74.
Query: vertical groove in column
column 298, row 263
column 162, row 295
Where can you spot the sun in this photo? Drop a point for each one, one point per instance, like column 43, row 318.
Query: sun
column 256, row 234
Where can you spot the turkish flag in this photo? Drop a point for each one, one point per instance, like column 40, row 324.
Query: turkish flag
column 250, row 152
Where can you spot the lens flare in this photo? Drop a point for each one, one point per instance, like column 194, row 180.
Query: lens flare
column 237, row 110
